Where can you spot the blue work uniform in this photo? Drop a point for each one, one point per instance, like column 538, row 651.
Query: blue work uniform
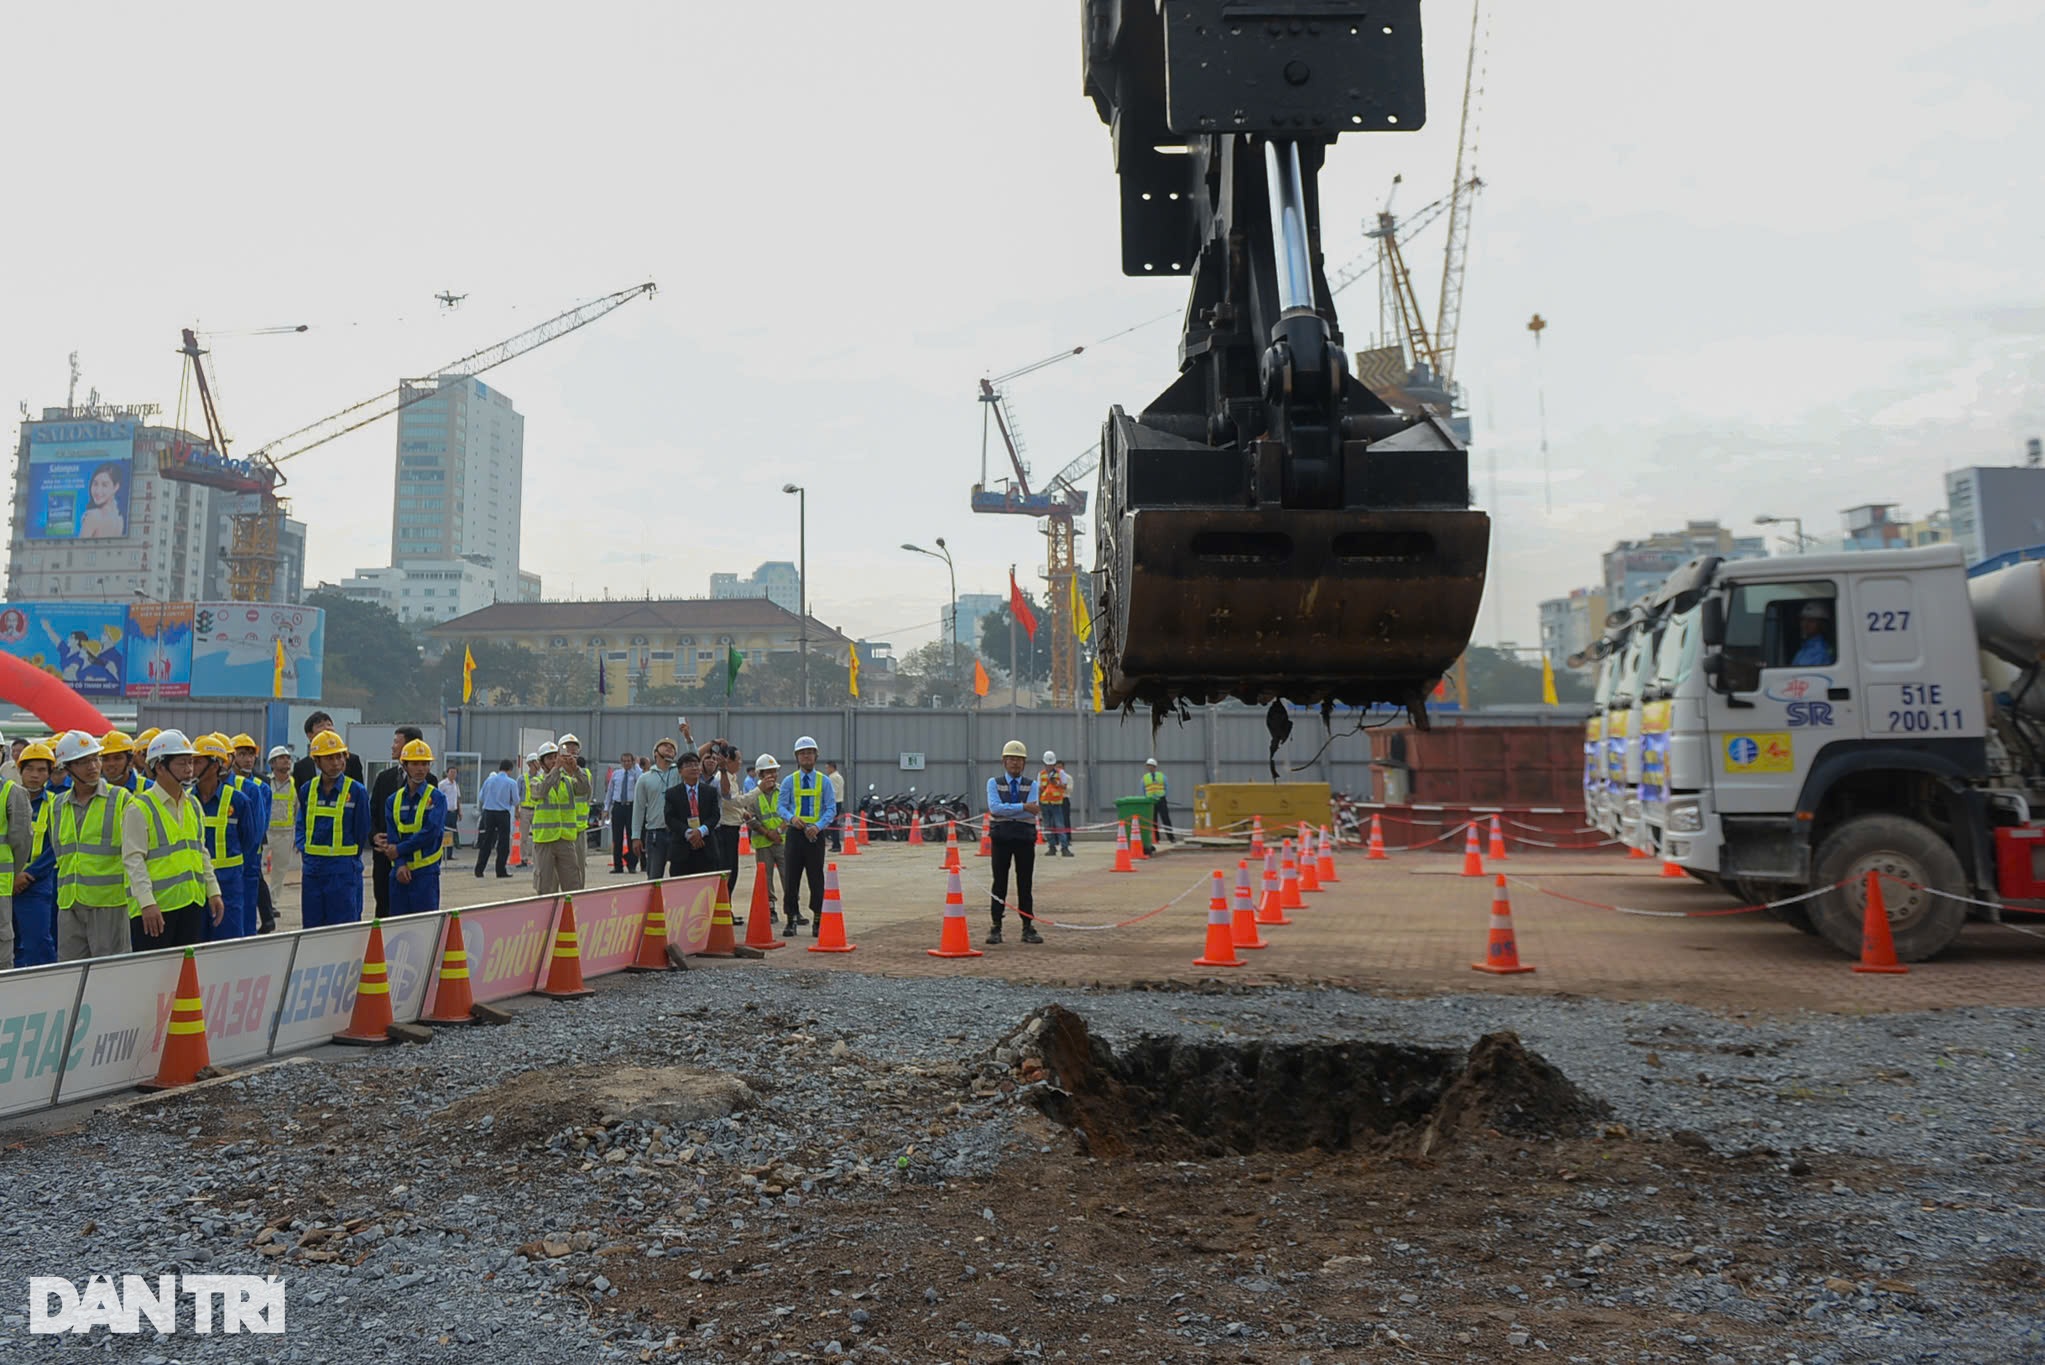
column 260, row 797
column 35, row 905
column 416, row 827
column 332, row 828
column 224, row 826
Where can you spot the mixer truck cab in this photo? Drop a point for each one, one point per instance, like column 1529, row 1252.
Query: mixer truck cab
column 1837, row 719
column 1675, row 659
column 1629, row 711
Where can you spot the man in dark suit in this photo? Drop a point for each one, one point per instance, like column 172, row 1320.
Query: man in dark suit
column 692, row 811
column 305, row 769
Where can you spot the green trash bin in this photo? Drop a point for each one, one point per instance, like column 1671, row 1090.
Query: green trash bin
column 1144, row 810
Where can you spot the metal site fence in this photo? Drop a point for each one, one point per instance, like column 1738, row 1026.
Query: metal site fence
column 956, row 751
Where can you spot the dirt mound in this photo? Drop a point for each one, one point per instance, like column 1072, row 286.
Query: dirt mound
column 1164, row 1097
column 528, row 1109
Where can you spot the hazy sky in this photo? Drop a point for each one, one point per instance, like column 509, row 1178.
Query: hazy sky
column 1788, row 254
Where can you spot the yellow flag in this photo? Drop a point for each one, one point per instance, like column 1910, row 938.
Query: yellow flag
column 1097, row 687
column 1082, row 624
column 277, row 672
column 468, row 674
column 855, row 671
column 1547, row 681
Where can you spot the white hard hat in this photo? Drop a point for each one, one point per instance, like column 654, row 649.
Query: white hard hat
column 1150, row 763
column 281, row 751
column 764, row 762
column 1817, row 611
column 567, row 740
column 805, row 743
column 168, row 744
column 1015, row 748
column 532, row 758
column 73, row 745
column 545, row 749
column 1050, row 757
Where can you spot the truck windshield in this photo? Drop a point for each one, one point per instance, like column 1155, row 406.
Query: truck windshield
column 1678, row 654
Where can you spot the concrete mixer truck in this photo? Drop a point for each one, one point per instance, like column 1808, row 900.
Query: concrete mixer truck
column 1828, row 715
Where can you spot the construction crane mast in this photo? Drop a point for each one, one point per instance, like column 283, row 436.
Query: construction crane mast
column 252, row 553
column 1455, row 255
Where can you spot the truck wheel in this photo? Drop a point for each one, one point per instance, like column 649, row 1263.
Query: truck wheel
column 1903, row 851
column 1797, row 917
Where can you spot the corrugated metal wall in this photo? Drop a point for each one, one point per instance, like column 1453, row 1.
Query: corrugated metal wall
column 1533, row 751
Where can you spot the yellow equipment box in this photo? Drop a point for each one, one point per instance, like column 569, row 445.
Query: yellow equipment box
column 1225, row 808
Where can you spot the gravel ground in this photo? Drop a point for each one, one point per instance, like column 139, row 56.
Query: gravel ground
column 424, row 1202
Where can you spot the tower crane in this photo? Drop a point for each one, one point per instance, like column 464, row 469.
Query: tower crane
column 252, row 553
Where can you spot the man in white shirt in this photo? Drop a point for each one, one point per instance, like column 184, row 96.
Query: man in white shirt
column 624, row 784
column 838, row 797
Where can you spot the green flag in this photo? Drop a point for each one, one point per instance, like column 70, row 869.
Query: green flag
column 733, row 662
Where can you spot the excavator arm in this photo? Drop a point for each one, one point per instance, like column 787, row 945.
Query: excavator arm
column 1267, row 528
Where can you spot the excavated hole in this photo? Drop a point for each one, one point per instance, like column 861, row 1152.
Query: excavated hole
column 1169, row 1098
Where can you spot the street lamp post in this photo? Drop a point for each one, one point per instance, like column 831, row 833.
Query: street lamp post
column 951, row 662
column 1797, row 522
column 802, row 577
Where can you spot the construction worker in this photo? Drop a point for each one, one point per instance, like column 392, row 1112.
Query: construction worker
column 418, row 817
column 283, row 854
column 807, row 807
column 333, row 826
column 380, row 791
column 1012, row 811
column 93, row 909
column 557, row 824
column 172, row 892
column 246, row 752
column 228, row 821
column 35, row 877
column 761, row 806
column 585, row 802
column 117, row 766
column 1054, row 802
column 1154, row 788
column 17, row 846
column 522, row 817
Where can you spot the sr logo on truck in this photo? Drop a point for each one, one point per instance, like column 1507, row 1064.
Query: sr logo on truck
column 1803, row 697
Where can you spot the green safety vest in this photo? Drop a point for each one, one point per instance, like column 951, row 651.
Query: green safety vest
column 556, row 813
column 216, row 826
column 335, row 813
column 177, row 866
column 809, row 797
column 283, row 805
column 418, row 857
column 769, row 802
column 41, row 840
column 89, row 854
column 526, row 797
column 1153, row 784
column 7, row 849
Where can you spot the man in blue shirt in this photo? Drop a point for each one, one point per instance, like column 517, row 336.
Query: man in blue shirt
column 497, row 801
column 808, row 808
column 618, row 794
column 1816, row 650
column 1012, row 810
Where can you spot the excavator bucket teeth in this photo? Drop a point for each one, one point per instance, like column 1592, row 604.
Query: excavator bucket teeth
column 1348, row 606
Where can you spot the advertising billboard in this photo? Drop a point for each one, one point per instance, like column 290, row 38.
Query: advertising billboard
column 160, row 649
column 78, row 480
column 83, row 644
column 234, row 649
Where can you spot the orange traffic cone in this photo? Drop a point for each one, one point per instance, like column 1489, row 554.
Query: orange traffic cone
column 184, row 1038
column 653, row 938
column 831, row 919
column 1671, row 872
column 1877, row 948
column 759, row 916
column 1272, row 910
column 954, row 941
column 1288, row 879
column 452, row 1001
column 1309, row 871
column 721, row 942
column 1635, row 851
column 986, row 840
column 1122, row 863
column 1496, row 852
column 517, row 844
column 951, row 846
column 370, row 1025
column 915, row 830
column 745, row 841
column 1221, row 943
column 1243, row 920
column 1256, row 836
column 1136, row 851
column 1040, row 834
column 1502, row 953
column 1376, row 852
column 851, row 849
column 564, row 971
column 1473, row 861
column 1327, row 858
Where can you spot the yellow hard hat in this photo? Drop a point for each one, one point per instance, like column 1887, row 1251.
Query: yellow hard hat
column 37, row 749
column 223, row 740
column 1015, row 748
column 142, row 740
column 114, row 742
column 242, row 742
column 211, row 746
column 416, row 751
column 328, row 742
